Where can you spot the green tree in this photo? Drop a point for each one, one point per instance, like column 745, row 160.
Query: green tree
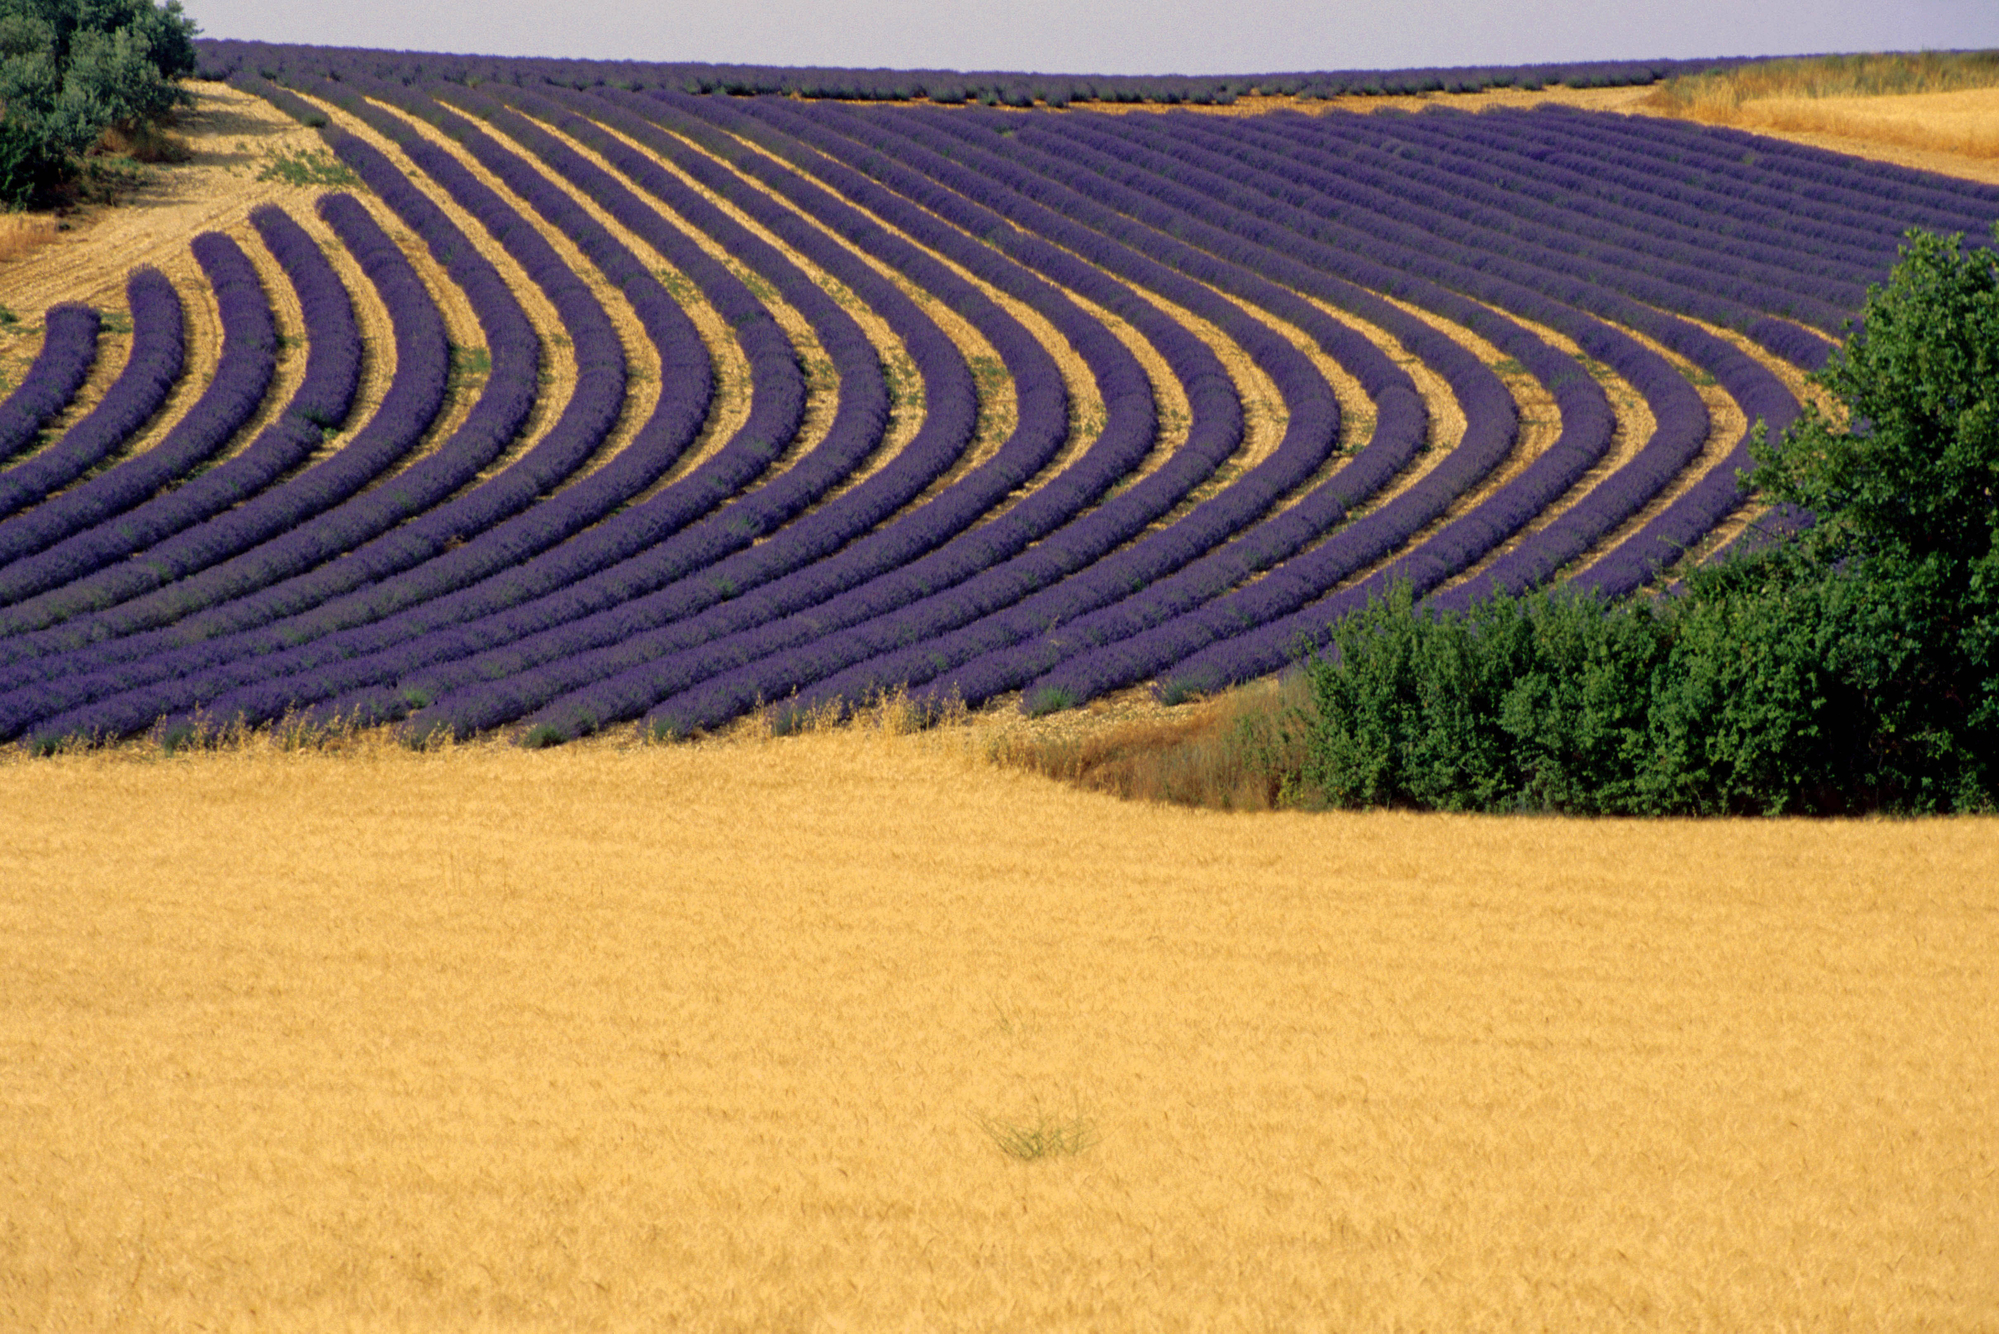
column 1904, row 556
column 1851, row 666
column 71, row 68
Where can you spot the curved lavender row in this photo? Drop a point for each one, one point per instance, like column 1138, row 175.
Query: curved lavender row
column 988, row 657
column 1634, row 562
column 1257, row 643
column 1296, row 583
column 557, row 577
column 332, row 375
column 777, row 405
column 1765, row 234
column 1489, row 255
column 1933, row 202
column 69, row 350
column 1682, row 427
column 1587, row 426
column 1473, row 148
column 1000, row 590
column 1418, row 331
column 1640, row 180
column 494, row 421
column 1504, row 514
column 38, row 687
column 242, row 376
column 158, row 350
column 340, row 628
column 1194, row 178
column 1476, row 202
column 591, row 411
column 951, row 411
column 887, row 567
column 247, row 690
column 1645, row 162
column 1216, row 432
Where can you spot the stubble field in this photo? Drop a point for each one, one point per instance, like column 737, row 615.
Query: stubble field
column 736, row 1036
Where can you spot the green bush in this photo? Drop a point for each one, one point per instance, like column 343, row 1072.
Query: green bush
column 70, row 69
column 1853, row 666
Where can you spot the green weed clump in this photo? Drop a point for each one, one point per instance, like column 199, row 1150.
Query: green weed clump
column 309, row 167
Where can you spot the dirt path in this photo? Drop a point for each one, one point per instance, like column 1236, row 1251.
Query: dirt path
column 233, row 137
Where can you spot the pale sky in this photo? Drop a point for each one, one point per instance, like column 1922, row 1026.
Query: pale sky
column 1114, row 36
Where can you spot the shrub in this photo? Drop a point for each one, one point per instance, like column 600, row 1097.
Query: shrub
column 70, row 69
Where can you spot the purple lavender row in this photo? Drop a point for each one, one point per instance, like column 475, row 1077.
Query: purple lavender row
column 242, row 375
column 1467, row 256
column 1645, row 164
column 1827, row 184
column 1003, row 589
column 888, row 567
column 1414, row 158
column 1556, row 158
column 1006, row 649
column 1215, row 433
column 1546, row 479
column 247, row 689
column 1004, row 663
column 776, row 409
column 1383, row 252
column 69, row 350
column 321, row 402
column 222, row 58
column 1478, row 148
column 1240, row 640
column 1692, row 514
column 373, row 519
column 1294, row 586
column 1668, row 536
column 1532, row 240
column 951, row 412
column 39, row 687
column 1587, row 425
column 880, row 163
column 777, row 402
column 158, row 350
column 492, row 424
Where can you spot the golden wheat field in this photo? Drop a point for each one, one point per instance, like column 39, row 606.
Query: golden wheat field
column 858, row 1031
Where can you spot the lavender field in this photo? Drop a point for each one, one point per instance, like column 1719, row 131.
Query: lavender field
column 788, row 403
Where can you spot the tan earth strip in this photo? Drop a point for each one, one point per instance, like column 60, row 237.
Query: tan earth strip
column 20, row 344
column 822, row 382
column 114, row 350
column 729, row 407
column 1730, row 421
column 905, row 385
column 201, row 332
column 231, row 136
column 1726, row 423
column 1633, row 429
column 1086, row 404
column 372, row 322
column 464, row 331
column 998, row 403
column 642, row 362
column 559, row 374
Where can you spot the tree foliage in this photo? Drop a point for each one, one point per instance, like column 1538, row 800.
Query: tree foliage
column 71, row 68
column 1852, row 666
